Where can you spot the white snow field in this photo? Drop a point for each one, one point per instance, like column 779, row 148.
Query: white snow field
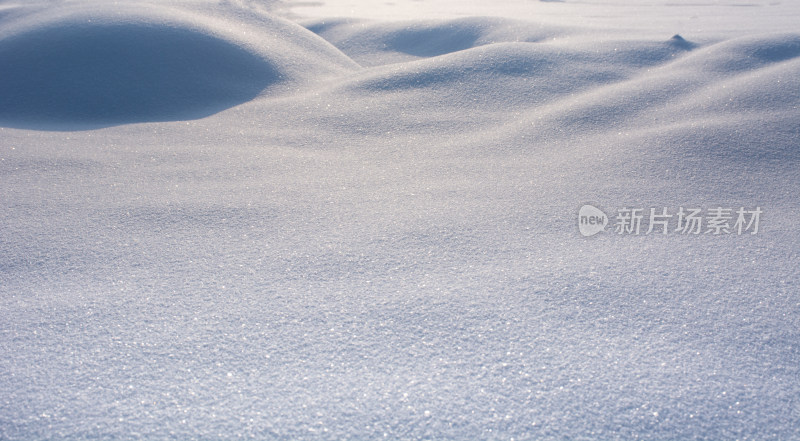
column 360, row 220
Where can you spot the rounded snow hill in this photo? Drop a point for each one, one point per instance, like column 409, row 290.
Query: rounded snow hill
column 91, row 65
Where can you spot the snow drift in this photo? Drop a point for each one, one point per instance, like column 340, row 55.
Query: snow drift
column 364, row 229
column 103, row 65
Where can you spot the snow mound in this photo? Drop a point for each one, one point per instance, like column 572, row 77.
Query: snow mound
column 126, row 73
column 97, row 67
column 549, row 86
column 746, row 53
column 376, row 43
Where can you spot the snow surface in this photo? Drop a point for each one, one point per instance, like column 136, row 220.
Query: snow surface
column 351, row 220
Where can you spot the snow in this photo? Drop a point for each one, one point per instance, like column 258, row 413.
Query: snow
column 350, row 220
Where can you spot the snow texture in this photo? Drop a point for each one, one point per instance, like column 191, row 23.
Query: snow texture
column 345, row 220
